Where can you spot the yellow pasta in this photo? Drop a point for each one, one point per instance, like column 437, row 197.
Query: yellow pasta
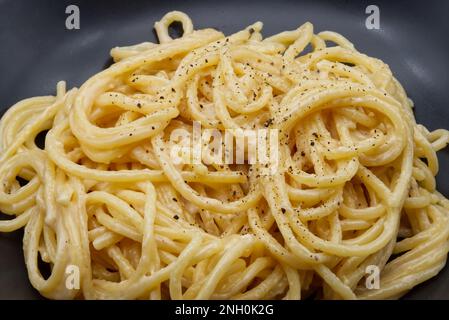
column 353, row 187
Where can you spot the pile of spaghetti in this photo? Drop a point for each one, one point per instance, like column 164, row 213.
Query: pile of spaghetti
column 354, row 189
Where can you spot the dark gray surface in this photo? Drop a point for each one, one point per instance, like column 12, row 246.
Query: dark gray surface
column 36, row 51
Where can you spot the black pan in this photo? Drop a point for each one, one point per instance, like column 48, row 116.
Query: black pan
column 36, row 51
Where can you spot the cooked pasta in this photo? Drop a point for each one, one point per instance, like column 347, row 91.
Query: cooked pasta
column 353, row 189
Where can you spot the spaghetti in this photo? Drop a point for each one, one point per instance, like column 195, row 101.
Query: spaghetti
column 354, row 187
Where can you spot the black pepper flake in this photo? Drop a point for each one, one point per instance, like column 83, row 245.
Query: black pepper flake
column 268, row 122
column 176, row 217
column 283, row 210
